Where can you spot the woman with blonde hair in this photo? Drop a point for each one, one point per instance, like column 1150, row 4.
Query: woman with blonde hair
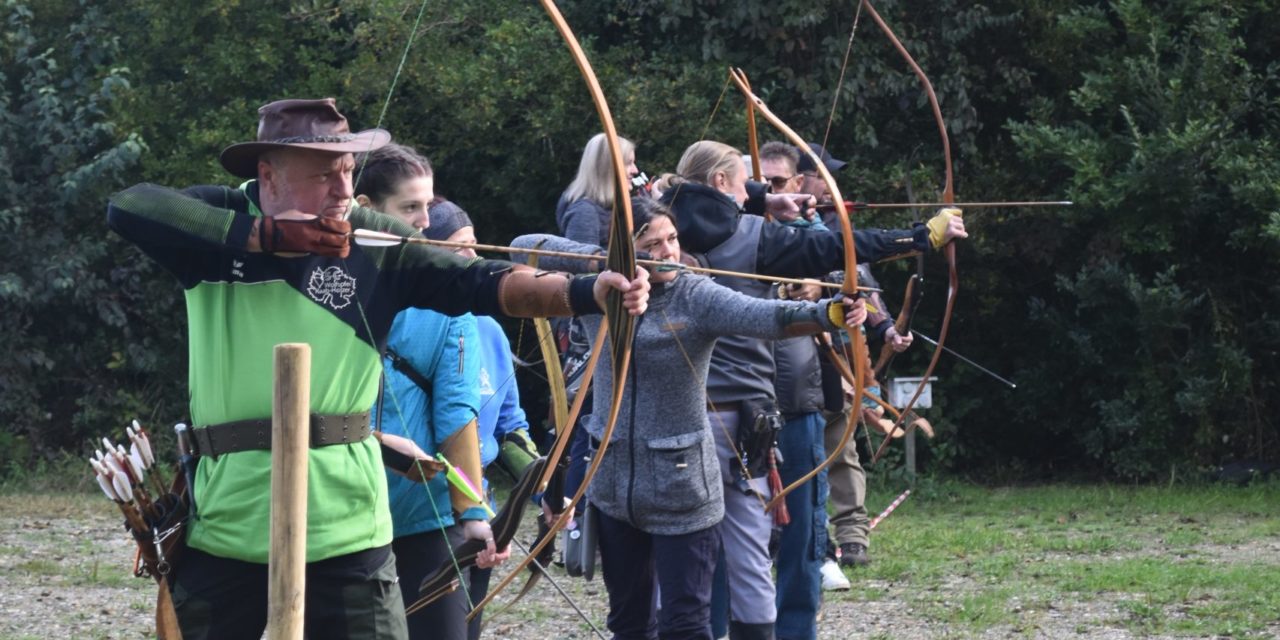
column 584, row 215
column 586, row 206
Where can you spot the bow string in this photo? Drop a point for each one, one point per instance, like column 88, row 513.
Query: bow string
column 620, row 324
column 849, row 287
column 948, row 197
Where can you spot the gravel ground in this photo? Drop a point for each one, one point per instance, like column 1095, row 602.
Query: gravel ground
column 65, row 574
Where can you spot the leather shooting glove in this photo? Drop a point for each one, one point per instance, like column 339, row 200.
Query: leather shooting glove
column 321, row 236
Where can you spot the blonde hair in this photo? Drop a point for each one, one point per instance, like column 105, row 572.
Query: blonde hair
column 663, row 183
column 595, row 180
column 705, row 158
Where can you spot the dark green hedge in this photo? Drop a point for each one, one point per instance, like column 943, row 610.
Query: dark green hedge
column 1141, row 324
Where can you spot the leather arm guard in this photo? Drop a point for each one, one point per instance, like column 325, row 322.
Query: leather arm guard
column 525, row 293
column 462, row 449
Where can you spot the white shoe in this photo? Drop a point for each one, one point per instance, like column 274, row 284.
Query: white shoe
column 833, row 579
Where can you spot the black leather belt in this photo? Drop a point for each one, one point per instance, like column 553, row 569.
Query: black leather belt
column 248, row 435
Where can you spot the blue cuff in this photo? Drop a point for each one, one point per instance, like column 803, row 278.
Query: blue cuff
column 474, row 513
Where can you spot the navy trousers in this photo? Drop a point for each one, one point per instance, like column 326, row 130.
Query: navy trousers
column 639, row 566
column 804, row 540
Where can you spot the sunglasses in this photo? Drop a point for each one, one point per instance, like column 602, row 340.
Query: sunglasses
column 778, row 182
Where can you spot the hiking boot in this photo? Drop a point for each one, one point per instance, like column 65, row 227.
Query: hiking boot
column 833, row 578
column 854, row 554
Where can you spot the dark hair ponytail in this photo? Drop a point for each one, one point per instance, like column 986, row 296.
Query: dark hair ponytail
column 380, row 172
column 645, row 209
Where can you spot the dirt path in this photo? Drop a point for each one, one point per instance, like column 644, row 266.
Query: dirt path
column 64, row 573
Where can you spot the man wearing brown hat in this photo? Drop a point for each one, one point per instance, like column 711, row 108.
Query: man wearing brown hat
column 272, row 262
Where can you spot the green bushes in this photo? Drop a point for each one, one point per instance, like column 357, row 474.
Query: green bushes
column 90, row 330
column 1141, row 324
column 1163, row 309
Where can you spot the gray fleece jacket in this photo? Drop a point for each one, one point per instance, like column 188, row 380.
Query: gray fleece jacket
column 660, row 473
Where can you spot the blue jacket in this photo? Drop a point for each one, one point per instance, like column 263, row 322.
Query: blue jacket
column 441, row 349
column 500, row 411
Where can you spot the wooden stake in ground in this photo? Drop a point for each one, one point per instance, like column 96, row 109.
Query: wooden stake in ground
column 290, row 442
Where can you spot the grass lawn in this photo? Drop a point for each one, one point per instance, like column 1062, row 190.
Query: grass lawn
column 1168, row 561
column 954, row 561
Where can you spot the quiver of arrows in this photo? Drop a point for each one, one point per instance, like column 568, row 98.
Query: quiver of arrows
column 157, row 523
column 155, row 515
column 161, row 543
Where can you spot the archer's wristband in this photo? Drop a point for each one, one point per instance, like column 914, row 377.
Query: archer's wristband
column 474, row 513
column 877, row 332
column 582, row 298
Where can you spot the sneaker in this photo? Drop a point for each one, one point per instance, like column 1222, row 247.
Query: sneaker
column 833, row 578
column 854, row 554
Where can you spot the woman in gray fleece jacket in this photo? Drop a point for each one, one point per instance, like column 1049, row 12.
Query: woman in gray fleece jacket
column 659, row 488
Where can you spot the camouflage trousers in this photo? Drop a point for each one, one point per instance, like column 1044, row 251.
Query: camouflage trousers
column 349, row 597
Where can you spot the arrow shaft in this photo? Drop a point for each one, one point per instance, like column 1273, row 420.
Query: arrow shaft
column 966, row 360
column 964, row 205
column 358, row 235
column 547, row 574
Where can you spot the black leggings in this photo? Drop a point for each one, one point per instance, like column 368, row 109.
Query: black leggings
column 417, row 555
column 637, row 563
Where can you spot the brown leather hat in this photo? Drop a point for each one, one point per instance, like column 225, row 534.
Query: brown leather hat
column 307, row 124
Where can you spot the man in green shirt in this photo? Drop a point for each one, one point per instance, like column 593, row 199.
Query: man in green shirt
column 272, row 262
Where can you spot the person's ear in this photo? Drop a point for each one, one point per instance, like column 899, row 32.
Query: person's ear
column 269, row 177
column 364, row 201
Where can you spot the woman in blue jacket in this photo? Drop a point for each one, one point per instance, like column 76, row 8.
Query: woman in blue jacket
column 430, row 397
column 502, row 425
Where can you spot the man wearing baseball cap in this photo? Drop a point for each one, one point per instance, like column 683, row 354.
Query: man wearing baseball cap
column 813, row 183
column 272, row 262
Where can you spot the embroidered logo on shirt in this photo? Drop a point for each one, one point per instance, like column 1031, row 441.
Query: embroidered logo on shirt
column 486, row 384
column 331, row 286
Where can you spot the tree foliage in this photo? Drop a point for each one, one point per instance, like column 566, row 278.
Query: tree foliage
column 80, row 349
column 1167, row 302
column 1140, row 324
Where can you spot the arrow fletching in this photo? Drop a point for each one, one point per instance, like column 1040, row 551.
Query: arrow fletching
column 369, row 238
column 100, row 474
column 461, row 482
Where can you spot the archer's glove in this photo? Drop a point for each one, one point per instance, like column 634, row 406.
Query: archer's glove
column 406, row 458
column 517, row 452
column 321, row 236
column 946, row 226
column 847, row 313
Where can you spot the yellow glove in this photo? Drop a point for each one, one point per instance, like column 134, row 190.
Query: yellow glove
column 938, row 226
column 835, row 311
column 840, row 306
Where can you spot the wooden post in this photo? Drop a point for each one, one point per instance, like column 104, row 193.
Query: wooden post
column 290, row 443
column 909, row 449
